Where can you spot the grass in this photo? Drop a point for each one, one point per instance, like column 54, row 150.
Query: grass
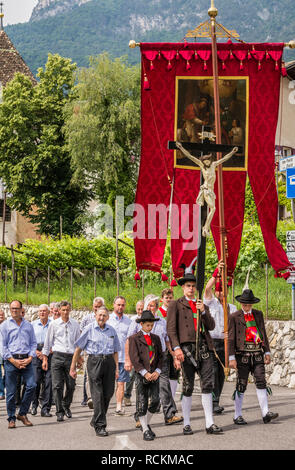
column 279, row 298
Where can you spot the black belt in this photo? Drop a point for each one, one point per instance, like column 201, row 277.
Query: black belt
column 20, row 356
column 63, row 354
column 100, row 356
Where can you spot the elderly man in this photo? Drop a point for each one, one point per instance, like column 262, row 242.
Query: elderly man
column 61, row 336
column 42, row 376
column 101, row 343
column 120, row 322
column 86, row 320
column 18, row 346
column 2, row 392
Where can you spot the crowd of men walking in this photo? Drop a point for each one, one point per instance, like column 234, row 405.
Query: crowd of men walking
column 165, row 343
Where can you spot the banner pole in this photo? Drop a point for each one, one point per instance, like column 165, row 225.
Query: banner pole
column 213, row 12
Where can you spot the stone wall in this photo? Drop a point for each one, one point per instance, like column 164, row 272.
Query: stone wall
column 281, row 336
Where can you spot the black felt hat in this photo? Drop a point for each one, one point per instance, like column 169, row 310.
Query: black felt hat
column 146, row 316
column 247, row 297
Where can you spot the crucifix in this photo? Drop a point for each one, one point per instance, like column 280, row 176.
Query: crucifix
column 206, row 193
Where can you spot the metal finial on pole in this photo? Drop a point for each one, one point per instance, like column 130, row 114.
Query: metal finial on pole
column 1, row 16
column 212, row 12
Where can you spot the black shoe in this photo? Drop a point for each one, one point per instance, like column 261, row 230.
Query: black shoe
column 151, row 431
column 269, row 416
column 46, row 414
column 217, row 410
column 240, row 420
column 147, row 436
column 187, row 430
column 101, row 432
column 214, row 429
column 68, row 413
column 33, row 411
column 59, row 417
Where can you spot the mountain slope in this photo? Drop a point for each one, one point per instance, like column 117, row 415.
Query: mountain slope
column 85, row 29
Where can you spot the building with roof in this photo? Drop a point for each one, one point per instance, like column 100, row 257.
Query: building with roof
column 14, row 228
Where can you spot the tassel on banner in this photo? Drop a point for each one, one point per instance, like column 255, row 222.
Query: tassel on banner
column 249, row 55
column 283, row 275
column 169, row 66
column 223, row 65
column 241, row 65
column 173, row 283
column 177, row 55
column 277, row 65
column 188, row 65
column 259, row 65
column 284, row 70
column 151, row 65
column 164, row 277
column 205, row 65
column 231, row 56
column 137, row 277
column 146, row 84
column 267, row 55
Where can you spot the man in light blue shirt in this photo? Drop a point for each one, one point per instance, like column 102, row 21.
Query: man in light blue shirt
column 18, row 347
column 42, row 376
column 120, row 323
column 100, row 341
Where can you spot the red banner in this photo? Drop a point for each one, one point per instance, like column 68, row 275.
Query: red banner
column 177, row 104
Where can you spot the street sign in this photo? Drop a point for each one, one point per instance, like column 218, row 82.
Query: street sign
column 291, row 256
column 287, row 162
column 290, row 178
column 290, row 235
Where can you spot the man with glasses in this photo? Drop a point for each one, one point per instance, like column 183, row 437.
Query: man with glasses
column 18, row 347
column 61, row 336
column 42, row 376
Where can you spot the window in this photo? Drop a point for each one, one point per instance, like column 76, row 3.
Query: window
column 7, row 211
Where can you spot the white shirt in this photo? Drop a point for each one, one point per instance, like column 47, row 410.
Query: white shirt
column 61, row 336
column 216, row 311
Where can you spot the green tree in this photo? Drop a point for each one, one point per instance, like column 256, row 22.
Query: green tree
column 103, row 128
column 35, row 162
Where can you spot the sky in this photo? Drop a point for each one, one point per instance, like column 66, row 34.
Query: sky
column 17, row 11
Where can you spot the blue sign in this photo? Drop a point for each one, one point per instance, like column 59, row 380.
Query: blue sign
column 290, row 178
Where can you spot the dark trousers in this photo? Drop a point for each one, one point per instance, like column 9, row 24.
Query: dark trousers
column 205, row 372
column 167, row 401
column 60, row 368
column 129, row 385
column 42, row 377
column 147, row 395
column 173, row 373
column 250, row 362
column 101, row 375
column 11, row 375
column 218, row 370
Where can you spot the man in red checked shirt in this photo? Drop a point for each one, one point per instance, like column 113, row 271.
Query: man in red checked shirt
column 249, row 352
column 181, row 329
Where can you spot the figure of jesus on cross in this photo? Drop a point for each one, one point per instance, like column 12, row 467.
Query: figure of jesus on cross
column 206, row 193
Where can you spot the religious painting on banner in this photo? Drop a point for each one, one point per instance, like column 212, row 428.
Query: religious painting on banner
column 194, row 116
column 177, row 104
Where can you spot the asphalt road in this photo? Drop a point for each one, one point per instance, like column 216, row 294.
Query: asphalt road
column 76, row 433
